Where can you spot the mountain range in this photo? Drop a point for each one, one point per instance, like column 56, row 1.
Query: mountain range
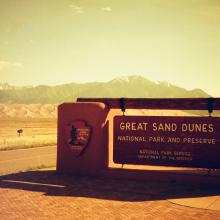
column 131, row 86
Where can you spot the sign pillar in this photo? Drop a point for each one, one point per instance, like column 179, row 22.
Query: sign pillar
column 82, row 146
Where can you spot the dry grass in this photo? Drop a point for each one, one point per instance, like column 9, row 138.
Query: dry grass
column 36, row 133
column 27, row 142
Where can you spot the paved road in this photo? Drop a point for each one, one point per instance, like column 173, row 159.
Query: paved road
column 23, row 159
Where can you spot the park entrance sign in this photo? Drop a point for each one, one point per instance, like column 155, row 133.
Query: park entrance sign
column 187, row 141
column 167, row 141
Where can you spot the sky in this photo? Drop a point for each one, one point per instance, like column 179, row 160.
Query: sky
column 54, row 42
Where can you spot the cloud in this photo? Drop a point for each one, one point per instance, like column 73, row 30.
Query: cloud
column 77, row 9
column 106, row 9
column 7, row 64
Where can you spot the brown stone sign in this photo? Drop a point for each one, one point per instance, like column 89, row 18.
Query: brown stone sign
column 167, row 141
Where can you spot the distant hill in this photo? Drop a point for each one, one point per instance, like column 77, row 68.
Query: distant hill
column 132, row 86
column 49, row 111
column 28, row 111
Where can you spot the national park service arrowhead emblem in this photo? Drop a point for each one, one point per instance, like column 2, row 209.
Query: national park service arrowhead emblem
column 77, row 136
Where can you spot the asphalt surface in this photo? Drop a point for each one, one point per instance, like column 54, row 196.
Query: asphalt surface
column 12, row 161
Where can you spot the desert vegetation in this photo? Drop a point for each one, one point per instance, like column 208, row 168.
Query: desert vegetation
column 37, row 132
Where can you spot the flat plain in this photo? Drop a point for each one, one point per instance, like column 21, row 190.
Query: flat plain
column 36, row 132
column 38, row 123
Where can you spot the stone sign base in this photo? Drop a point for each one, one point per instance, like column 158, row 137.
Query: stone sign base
column 94, row 156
